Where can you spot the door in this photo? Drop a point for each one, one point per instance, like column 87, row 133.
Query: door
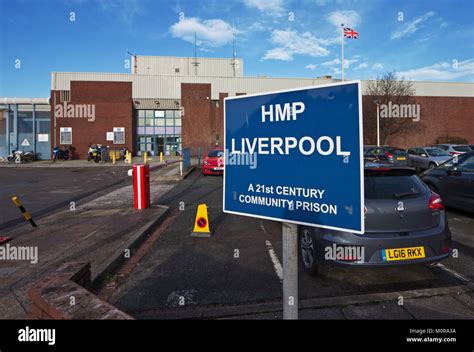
column 460, row 184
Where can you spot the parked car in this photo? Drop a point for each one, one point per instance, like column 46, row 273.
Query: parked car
column 405, row 223
column 454, row 181
column 453, row 149
column 471, row 146
column 213, row 163
column 427, row 157
column 393, row 155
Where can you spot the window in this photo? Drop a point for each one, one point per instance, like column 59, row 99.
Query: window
column 176, row 70
column 65, row 135
column 159, row 113
column 149, row 114
column 159, row 122
column 467, row 165
column 119, row 135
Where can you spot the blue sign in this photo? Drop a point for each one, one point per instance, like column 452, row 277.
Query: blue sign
column 296, row 156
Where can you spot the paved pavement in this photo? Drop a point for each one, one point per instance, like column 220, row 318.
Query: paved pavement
column 44, row 186
column 43, row 190
column 233, row 274
column 99, row 230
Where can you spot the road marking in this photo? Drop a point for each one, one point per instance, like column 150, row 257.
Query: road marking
column 276, row 263
column 452, row 272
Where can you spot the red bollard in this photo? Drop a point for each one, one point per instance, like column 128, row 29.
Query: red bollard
column 141, row 186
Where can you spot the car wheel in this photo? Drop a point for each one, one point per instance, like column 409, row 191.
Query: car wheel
column 431, row 166
column 308, row 253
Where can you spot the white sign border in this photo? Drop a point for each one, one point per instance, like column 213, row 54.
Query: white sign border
column 361, row 159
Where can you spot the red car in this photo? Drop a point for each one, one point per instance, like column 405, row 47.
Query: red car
column 213, row 163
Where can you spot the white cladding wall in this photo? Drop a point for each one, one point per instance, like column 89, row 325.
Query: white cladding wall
column 169, row 87
column 164, row 65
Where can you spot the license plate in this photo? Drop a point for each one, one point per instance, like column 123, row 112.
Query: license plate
column 401, row 158
column 218, row 168
column 403, row 253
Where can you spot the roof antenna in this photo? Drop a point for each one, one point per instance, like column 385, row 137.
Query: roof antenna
column 135, row 64
column 234, row 62
column 195, row 63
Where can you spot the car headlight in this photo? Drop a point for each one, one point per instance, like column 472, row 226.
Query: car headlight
column 205, row 162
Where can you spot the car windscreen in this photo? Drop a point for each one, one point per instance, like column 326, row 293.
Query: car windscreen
column 215, row 153
column 437, row 152
column 390, row 185
column 462, row 148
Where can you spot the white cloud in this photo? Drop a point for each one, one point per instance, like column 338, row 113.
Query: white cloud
column 212, row 33
column 278, row 54
column 290, row 43
column 348, row 18
column 269, row 6
column 337, row 61
column 377, row 66
column 412, row 26
column 311, row 67
column 443, row 71
column 361, row 66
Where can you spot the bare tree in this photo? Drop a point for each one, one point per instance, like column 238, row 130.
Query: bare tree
column 390, row 90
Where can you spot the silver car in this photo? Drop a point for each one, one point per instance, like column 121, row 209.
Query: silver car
column 453, row 149
column 427, row 157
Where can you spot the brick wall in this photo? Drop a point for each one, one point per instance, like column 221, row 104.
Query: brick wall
column 439, row 117
column 113, row 108
column 197, row 126
column 64, row 295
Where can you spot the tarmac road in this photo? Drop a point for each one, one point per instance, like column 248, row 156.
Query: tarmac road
column 240, row 265
column 43, row 190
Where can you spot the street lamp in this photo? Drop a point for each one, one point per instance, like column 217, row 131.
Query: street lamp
column 378, row 122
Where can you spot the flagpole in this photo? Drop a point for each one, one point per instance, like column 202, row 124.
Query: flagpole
column 342, row 46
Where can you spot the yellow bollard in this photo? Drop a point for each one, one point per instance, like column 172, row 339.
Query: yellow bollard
column 114, row 160
column 130, row 158
column 26, row 215
column 145, row 157
column 161, row 157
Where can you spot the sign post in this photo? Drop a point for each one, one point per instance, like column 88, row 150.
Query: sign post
column 296, row 156
column 290, row 270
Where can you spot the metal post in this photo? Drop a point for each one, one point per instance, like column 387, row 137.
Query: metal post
column 34, row 129
column 199, row 155
column 15, row 126
column 290, row 271
column 8, row 130
column 378, row 126
column 342, row 54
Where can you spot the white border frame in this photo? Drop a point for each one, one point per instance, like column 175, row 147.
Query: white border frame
column 361, row 158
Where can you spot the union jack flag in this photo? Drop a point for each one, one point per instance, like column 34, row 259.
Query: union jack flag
column 350, row 33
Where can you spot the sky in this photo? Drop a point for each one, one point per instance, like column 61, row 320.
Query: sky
column 418, row 39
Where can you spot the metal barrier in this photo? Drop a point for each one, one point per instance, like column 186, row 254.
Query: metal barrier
column 186, row 158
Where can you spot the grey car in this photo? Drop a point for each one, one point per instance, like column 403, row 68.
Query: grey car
column 405, row 223
column 427, row 157
column 386, row 154
column 454, row 149
column 454, row 181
